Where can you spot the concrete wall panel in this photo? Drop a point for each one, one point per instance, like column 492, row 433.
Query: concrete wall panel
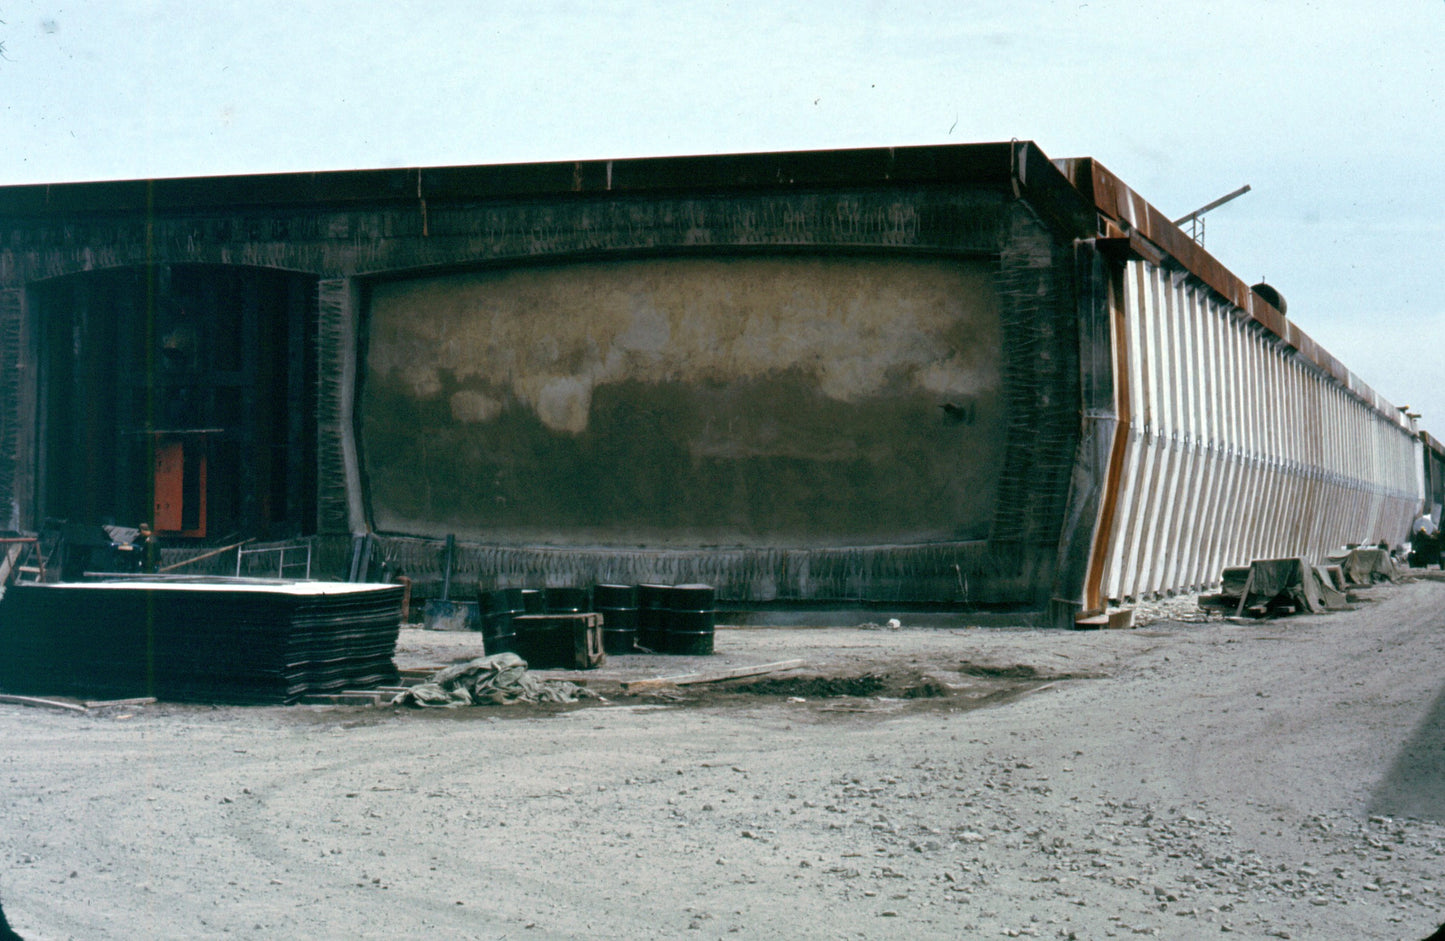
column 745, row 401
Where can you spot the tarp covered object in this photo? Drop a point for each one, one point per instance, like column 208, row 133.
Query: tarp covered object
column 497, row 680
column 1292, row 581
column 1366, row 566
column 1233, row 580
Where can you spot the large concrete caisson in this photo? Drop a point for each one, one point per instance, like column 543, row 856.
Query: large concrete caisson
column 801, row 397
column 947, row 377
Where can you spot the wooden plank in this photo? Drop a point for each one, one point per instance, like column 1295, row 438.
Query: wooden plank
column 46, row 703
column 1244, row 594
column 353, row 698
column 424, row 673
column 712, row 676
column 103, row 703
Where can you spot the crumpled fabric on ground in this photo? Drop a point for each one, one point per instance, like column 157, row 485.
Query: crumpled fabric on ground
column 497, row 680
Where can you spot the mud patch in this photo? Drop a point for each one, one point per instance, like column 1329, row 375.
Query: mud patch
column 1018, row 671
column 813, row 687
column 928, row 688
column 881, row 692
column 901, row 685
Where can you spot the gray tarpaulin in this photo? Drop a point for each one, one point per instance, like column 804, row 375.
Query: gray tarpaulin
column 1233, row 580
column 497, row 680
column 1366, row 566
column 1291, row 581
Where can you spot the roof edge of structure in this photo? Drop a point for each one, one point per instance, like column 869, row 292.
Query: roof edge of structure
column 1003, row 164
column 1127, row 215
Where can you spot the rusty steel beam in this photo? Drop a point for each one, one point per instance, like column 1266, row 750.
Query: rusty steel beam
column 1129, row 216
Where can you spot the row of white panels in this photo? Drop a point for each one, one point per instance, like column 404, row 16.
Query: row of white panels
column 1236, row 449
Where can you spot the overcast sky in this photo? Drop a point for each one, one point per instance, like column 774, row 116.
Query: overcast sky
column 1331, row 111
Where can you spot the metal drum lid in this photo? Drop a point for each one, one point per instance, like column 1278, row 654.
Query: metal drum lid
column 652, row 596
column 567, row 600
column 614, row 596
column 692, row 597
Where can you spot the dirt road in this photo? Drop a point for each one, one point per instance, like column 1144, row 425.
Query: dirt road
column 1277, row 779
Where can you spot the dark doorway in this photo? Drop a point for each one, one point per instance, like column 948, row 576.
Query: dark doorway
column 179, row 396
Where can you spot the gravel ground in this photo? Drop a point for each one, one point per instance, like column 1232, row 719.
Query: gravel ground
column 1185, row 779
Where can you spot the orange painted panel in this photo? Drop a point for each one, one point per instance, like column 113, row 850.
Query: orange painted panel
column 175, row 502
column 170, row 485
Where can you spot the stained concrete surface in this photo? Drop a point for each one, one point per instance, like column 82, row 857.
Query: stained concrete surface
column 749, row 401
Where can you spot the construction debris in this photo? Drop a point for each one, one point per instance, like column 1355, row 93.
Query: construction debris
column 44, row 703
column 498, row 680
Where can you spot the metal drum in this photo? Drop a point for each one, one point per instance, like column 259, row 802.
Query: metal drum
column 534, row 600
column 498, row 608
column 691, row 618
column 651, row 617
column 618, row 606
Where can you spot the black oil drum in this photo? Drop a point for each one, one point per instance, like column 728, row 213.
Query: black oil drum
column 498, row 608
column 652, row 617
column 567, row 601
column 618, row 606
column 534, row 600
column 690, row 620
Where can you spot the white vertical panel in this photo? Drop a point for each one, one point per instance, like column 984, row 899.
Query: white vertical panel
column 1250, row 399
column 1292, row 500
column 1289, row 507
column 1165, row 557
column 1341, row 432
column 1224, row 441
column 1295, row 435
column 1265, row 410
column 1197, row 381
column 1158, row 423
column 1323, row 392
column 1206, row 570
column 1264, row 417
column 1203, row 529
column 1235, row 511
column 1138, row 316
column 1316, row 508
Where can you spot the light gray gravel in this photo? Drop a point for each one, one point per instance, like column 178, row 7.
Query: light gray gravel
column 1276, row 779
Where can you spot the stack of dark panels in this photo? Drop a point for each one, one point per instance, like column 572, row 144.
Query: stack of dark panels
column 212, row 640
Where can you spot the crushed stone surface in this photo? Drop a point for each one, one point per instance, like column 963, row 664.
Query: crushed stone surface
column 1186, row 779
